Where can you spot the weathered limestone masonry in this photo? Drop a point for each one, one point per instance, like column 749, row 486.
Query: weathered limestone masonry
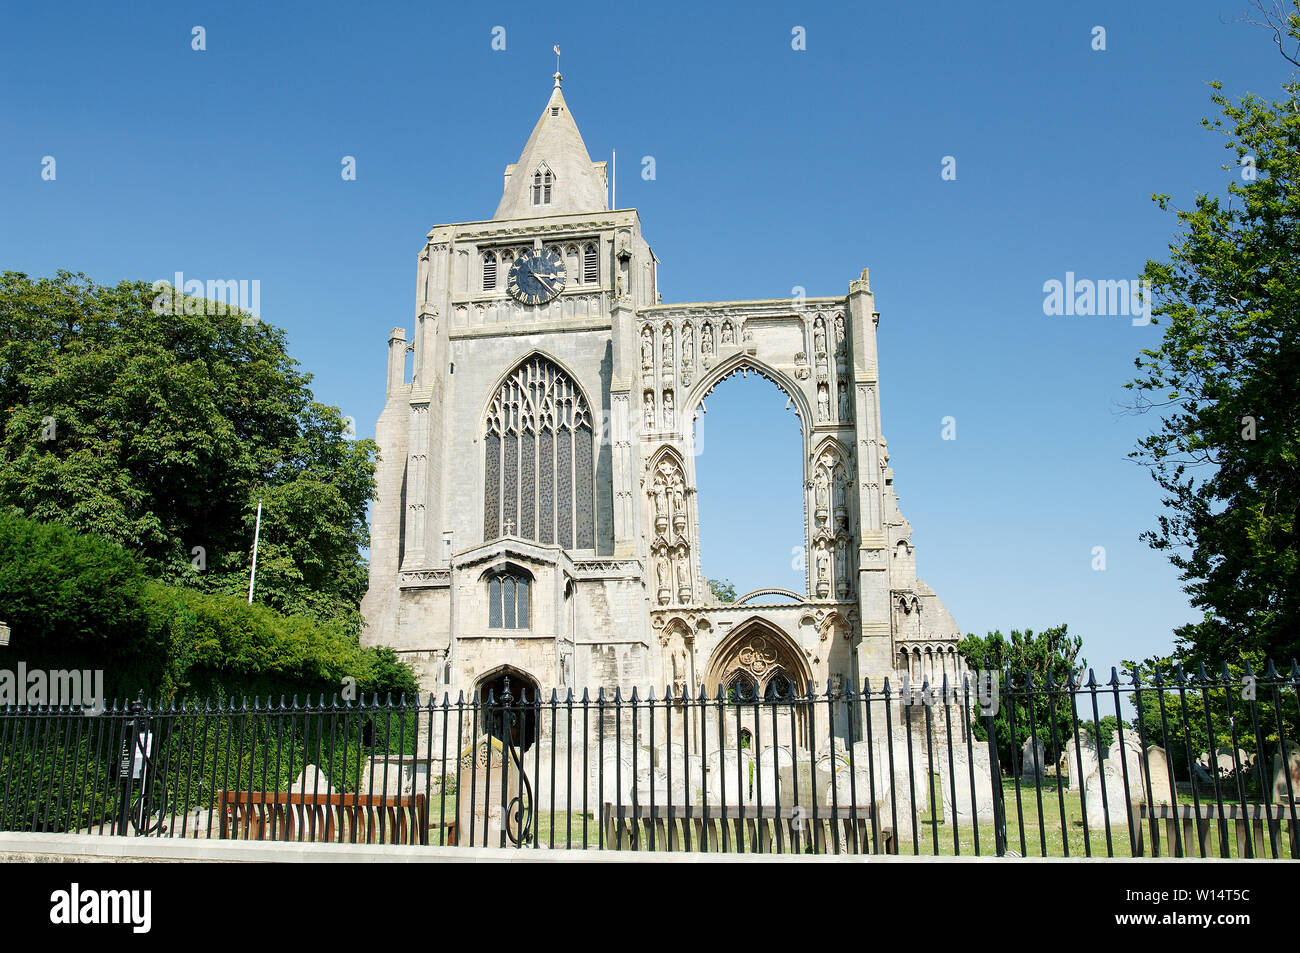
column 536, row 513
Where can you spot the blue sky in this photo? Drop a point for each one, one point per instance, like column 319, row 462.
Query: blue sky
column 775, row 168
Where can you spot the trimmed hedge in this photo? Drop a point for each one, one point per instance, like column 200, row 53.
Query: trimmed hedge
column 77, row 601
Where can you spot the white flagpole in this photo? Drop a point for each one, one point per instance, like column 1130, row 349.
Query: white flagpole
column 257, row 532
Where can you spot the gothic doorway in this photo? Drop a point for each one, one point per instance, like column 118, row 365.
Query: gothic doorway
column 516, row 722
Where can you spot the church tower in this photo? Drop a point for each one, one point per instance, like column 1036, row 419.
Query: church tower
column 536, row 514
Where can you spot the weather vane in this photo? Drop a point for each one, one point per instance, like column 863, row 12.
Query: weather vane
column 557, row 58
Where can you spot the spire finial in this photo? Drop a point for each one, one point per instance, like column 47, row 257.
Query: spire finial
column 557, row 66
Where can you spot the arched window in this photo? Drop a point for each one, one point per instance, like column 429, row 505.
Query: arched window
column 741, row 688
column 538, row 469
column 779, row 688
column 489, row 271
column 590, row 272
column 508, row 600
column 542, row 180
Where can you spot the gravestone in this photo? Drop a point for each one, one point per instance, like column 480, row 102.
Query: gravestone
column 1115, row 805
column 479, row 798
column 1032, row 758
column 311, row 780
column 1130, row 758
column 775, row 765
column 1080, row 760
column 1284, row 767
column 957, row 790
column 1162, row 791
column 730, row 777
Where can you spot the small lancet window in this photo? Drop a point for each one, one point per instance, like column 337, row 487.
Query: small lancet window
column 542, row 181
column 589, row 269
column 489, row 271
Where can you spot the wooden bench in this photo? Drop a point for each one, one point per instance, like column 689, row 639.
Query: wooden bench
column 342, row 818
column 1185, row 822
column 767, row 830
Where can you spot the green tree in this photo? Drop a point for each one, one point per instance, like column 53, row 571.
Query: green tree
column 1226, row 453
column 1025, row 658
column 723, row 590
column 161, row 429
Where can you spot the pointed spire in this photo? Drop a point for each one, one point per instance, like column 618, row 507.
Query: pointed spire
column 556, row 150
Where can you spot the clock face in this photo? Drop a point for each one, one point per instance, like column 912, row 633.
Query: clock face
column 536, row 277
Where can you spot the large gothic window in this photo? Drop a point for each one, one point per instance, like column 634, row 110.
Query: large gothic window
column 538, row 467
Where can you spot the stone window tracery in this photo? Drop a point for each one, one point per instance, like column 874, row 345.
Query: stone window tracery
column 539, row 459
column 508, row 601
column 542, row 181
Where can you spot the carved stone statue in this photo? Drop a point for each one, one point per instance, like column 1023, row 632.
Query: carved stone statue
column 823, row 402
column 844, row 400
column 727, row 333
column 819, row 491
column 688, row 342
column 662, row 568
column 649, row 411
column 706, row 340
column 647, row 349
column 819, row 337
column 839, row 330
column 668, row 409
column 668, row 347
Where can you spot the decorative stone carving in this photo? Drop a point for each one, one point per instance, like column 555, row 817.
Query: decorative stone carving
column 649, row 411
column 819, row 336
column 823, row 402
column 728, row 335
column 668, row 345
column 706, row 340
column 647, row 348
column 801, row 369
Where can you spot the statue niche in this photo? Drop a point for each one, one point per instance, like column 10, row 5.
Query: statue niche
column 832, row 523
column 670, row 546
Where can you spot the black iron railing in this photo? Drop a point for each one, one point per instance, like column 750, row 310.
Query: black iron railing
column 1187, row 764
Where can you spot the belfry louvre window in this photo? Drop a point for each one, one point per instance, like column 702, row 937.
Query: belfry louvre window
column 508, row 605
column 589, row 272
column 542, row 180
column 538, row 467
column 489, row 271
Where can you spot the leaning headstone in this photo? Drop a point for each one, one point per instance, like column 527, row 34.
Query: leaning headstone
column 1032, row 757
column 1225, row 763
column 1162, row 791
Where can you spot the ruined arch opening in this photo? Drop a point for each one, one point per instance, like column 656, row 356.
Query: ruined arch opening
column 749, row 478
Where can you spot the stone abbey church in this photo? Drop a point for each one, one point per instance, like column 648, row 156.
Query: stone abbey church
column 536, row 512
